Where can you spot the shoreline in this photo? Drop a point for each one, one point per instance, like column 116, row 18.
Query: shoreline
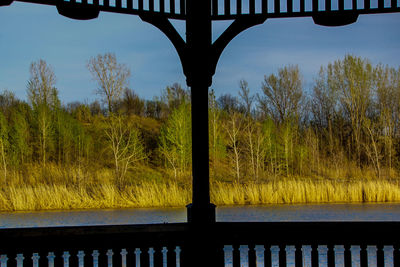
column 184, row 208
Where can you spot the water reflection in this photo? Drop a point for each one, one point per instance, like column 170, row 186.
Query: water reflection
column 321, row 212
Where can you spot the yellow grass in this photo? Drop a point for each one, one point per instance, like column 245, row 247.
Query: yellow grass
column 293, row 191
column 63, row 197
column 287, row 191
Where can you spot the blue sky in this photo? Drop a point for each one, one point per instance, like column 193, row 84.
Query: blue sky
column 30, row 32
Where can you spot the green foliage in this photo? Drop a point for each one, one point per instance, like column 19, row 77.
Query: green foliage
column 175, row 143
column 20, row 139
column 216, row 137
column 4, row 145
column 347, row 128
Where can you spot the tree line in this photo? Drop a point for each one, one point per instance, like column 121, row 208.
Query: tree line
column 346, row 126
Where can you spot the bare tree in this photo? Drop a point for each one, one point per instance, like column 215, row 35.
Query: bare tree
column 217, row 146
column 126, row 146
column 282, row 95
column 174, row 96
column 228, row 103
column 372, row 146
column 111, row 77
column 233, row 128
column 245, row 96
column 325, row 113
column 251, row 128
column 43, row 97
column 388, row 98
column 355, row 79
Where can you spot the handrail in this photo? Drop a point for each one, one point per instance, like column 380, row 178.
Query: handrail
column 162, row 237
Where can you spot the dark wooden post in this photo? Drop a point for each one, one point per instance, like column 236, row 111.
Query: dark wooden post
column 380, row 256
column 331, row 255
column 363, row 256
column 199, row 78
column 298, row 256
column 347, row 255
column 314, row 255
column 200, row 250
column 252, row 256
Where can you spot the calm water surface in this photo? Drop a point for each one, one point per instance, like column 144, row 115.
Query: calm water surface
column 323, row 212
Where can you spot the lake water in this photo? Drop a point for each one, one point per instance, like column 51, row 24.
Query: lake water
column 268, row 213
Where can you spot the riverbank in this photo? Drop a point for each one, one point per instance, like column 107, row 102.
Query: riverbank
column 285, row 191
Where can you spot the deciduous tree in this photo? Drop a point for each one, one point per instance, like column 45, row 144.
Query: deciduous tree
column 111, row 77
column 43, row 97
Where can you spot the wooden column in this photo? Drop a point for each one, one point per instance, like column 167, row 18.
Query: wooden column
column 199, row 78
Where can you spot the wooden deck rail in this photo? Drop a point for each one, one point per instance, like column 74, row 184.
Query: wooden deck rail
column 227, row 9
column 146, row 245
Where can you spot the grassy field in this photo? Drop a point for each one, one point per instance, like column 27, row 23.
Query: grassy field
column 285, row 191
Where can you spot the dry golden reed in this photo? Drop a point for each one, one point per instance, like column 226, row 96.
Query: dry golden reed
column 287, row 191
column 294, row 191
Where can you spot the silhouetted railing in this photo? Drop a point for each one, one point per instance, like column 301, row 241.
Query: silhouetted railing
column 145, row 245
column 231, row 9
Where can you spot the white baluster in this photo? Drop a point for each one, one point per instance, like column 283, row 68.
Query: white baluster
column 178, row 256
column 109, row 254
column 3, row 260
column 20, row 260
column 164, row 256
column 81, row 256
column 95, row 256
column 123, row 255
column 323, row 255
column 275, row 256
column 259, row 254
column 339, row 255
column 50, row 258
column 388, row 254
column 66, row 256
column 35, row 259
column 151, row 254
column 137, row 254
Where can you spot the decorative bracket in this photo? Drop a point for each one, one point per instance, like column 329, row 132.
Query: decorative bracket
column 239, row 25
column 77, row 11
column 165, row 26
column 6, row 2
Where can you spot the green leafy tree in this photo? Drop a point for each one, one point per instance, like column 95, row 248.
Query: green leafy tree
column 19, row 138
column 175, row 140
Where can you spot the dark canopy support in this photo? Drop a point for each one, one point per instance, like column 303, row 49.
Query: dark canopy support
column 199, row 58
column 199, row 78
